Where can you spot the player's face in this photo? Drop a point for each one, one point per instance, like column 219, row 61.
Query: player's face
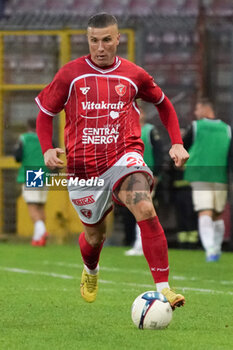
column 200, row 111
column 103, row 44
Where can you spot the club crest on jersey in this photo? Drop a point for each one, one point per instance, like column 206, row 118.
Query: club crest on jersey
column 121, row 89
column 87, row 213
column 85, row 90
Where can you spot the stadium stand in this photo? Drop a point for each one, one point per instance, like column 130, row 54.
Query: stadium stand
column 120, row 7
column 167, row 46
column 54, row 7
column 167, row 7
column 114, row 7
column 189, row 8
column 138, row 8
column 85, row 6
column 222, row 8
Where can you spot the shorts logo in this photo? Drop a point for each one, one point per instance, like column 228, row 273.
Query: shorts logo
column 87, row 213
column 84, row 90
column 34, row 178
column 83, row 201
column 121, row 89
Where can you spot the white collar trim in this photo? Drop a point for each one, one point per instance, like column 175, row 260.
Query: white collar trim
column 104, row 71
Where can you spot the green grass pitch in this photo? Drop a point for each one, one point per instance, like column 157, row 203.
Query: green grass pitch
column 41, row 308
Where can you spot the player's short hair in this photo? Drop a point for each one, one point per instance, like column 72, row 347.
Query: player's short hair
column 31, row 123
column 102, row 20
column 205, row 102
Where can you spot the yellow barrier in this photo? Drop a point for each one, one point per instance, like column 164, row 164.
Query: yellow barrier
column 61, row 218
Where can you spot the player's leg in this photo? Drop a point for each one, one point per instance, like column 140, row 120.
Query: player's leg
column 134, row 192
column 203, row 200
column 92, row 205
column 211, row 229
column 36, row 200
column 91, row 242
column 37, row 215
column 206, row 232
column 219, row 226
column 137, row 246
column 219, row 230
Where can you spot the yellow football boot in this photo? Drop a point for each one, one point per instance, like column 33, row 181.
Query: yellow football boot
column 89, row 286
column 175, row 300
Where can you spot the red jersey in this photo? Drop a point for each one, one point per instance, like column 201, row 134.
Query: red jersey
column 102, row 118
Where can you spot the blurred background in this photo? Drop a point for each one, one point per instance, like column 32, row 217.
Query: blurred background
column 186, row 45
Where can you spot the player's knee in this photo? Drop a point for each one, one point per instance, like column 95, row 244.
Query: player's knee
column 96, row 239
column 143, row 211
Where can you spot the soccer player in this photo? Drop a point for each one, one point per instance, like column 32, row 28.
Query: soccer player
column 211, row 153
column 102, row 139
column 28, row 152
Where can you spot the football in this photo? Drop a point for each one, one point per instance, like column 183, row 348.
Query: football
column 151, row 310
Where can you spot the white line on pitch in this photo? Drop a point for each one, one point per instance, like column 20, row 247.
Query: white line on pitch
column 23, row 271
column 201, row 290
column 103, row 268
column 137, row 285
column 128, row 271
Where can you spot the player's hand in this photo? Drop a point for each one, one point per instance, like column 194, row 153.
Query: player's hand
column 51, row 158
column 179, row 154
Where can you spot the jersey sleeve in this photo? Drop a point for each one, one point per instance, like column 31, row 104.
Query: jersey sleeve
column 149, row 91
column 53, row 97
column 44, row 129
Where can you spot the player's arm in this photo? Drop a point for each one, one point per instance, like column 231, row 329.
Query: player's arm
column 18, row 151
column 169, row 119
column 51, row 101
column 44, row 129
column 151, row 92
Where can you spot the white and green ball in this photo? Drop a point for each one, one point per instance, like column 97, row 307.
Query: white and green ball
column 151, row 310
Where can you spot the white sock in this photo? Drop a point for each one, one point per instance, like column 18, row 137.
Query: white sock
column 219, row 230
column 138, row 241
column 160, row 286
column 206, row 232
column 92, row 272
column 39, row 230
